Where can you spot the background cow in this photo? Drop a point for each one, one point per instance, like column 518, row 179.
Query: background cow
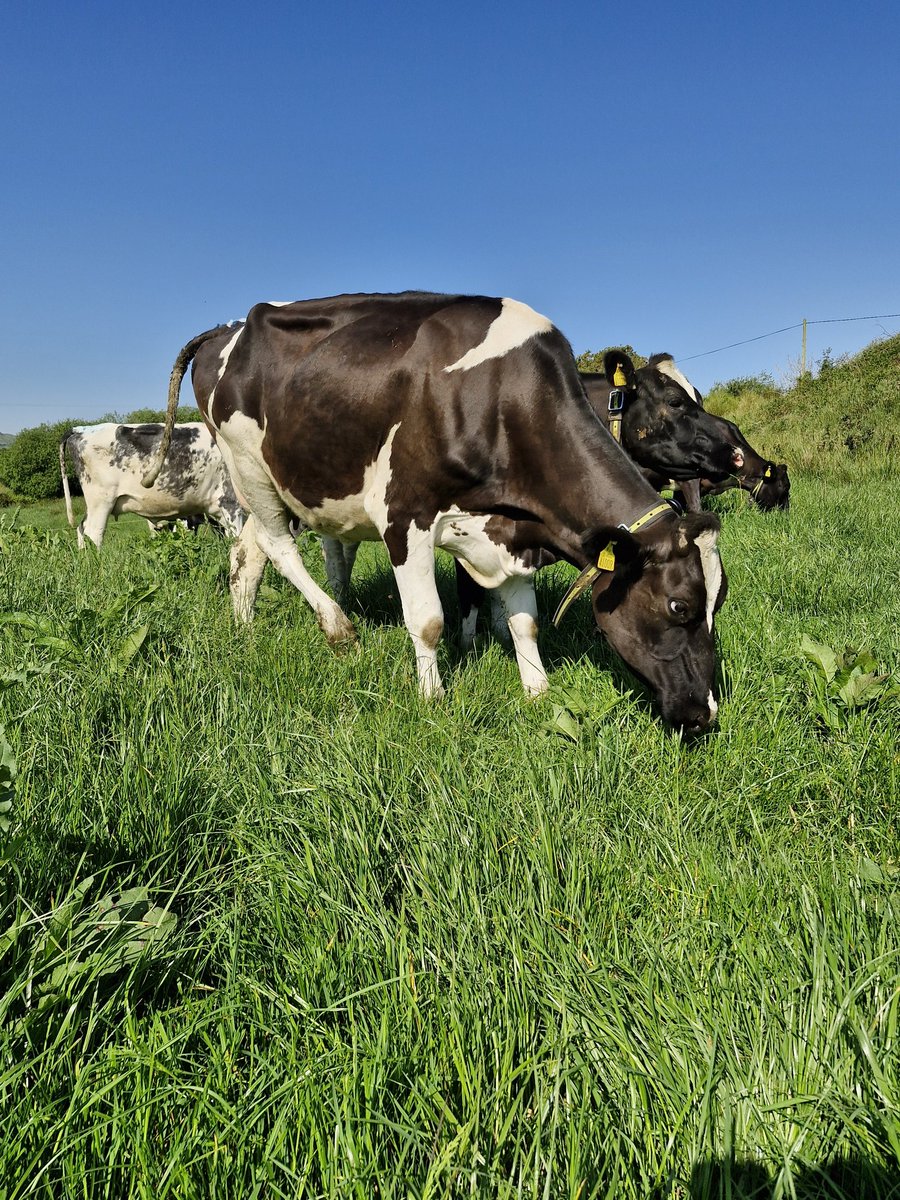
column 666, row 430
column 110, row 459
column 658, row 416
column 456, row 422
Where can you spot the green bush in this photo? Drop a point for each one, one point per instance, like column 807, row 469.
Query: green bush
column 30, row 466
column 151, row 416
column 841, row 422
column 592, row 360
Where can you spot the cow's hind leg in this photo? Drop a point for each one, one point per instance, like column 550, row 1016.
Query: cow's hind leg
column 273, row 537
column 268, row 525
column 248, row 562
column 94, row 524
column 470, row 596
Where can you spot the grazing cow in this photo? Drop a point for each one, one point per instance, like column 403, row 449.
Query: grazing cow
column 453, row 422
column 110, row 459
column 658, row 417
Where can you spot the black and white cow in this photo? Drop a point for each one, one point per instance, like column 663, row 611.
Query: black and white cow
column 110, row 459
column 658, row 416
column 453, row 422
column 665, row 428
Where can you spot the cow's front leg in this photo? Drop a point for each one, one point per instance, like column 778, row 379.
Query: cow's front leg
column 690, row 489
column 422, row 611
column 339, row 560
column 518, row 599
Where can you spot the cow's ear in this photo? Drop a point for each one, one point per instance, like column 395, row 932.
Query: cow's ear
column 618, row 369
column 620, row 559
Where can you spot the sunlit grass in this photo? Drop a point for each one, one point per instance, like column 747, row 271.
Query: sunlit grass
column 441, row 950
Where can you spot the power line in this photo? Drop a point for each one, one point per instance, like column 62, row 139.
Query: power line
column 787, row 329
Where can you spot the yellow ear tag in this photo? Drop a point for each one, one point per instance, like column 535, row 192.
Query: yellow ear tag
column 768, row 473
column 619, row 379
column 607, row 560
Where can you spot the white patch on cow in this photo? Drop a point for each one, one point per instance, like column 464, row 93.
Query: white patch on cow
column 712, row 570
column 713, row 707
column 667, row 367
column 465, row 536
column 514, row 326
column 223, row 363
column 280, row 303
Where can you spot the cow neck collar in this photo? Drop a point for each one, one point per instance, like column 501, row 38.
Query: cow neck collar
column 649, row 516
column 606, row 560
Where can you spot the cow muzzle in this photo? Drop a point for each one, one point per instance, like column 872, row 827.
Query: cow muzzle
column 691, row 717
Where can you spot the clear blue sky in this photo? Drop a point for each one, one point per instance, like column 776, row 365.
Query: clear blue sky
column 677, row 177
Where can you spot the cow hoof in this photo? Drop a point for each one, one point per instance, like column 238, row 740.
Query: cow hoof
column 339, row 632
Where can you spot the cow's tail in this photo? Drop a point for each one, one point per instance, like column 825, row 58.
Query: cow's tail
column 181, row 365
column 65, row 477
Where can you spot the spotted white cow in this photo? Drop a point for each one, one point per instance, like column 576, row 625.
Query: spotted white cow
column 110, row 459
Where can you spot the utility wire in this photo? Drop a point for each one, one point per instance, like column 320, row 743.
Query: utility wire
column 786, row 329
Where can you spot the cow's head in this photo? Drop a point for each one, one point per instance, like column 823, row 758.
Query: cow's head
column 656, row 607
column 772, row 489
column 664, row 425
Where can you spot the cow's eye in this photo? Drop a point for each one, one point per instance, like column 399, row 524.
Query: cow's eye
column 678, row 608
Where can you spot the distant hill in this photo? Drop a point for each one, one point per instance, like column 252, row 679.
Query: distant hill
column 6, row 439
column 845, row 422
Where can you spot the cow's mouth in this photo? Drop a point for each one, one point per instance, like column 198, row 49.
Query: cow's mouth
column 737, row 458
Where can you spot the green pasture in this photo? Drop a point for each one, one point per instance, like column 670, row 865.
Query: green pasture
column 273, row 927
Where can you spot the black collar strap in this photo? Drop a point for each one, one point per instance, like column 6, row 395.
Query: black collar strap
column 606, row 560
column 614, row 410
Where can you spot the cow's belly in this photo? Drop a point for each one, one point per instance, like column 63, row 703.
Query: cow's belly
column 357, row 517
column 159, row 506
column 344, row 519
column 464, row 535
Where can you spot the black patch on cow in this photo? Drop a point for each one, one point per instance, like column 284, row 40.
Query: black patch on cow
column 75, row 450
column 141, row 442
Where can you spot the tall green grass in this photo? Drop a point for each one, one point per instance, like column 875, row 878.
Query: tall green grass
column 276, row 927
